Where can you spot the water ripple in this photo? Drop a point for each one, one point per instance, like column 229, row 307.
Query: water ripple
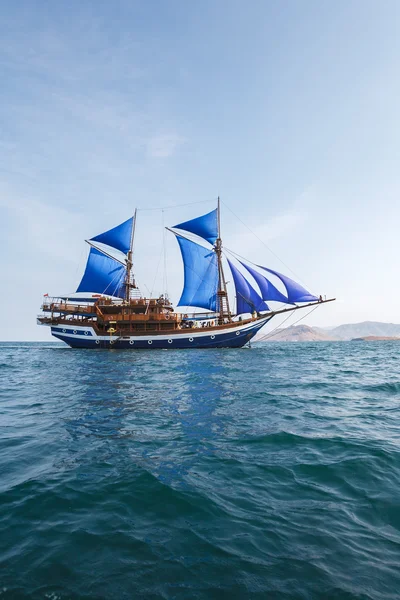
column 267, row 473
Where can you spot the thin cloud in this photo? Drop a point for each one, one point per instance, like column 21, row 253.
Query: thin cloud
column 164, row 145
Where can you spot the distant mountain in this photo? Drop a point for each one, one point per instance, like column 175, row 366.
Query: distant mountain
column 366, row 329
column 298, row 333
column 371, row 330
column 375, row 338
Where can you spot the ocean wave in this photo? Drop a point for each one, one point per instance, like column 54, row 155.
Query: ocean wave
column 271, row 473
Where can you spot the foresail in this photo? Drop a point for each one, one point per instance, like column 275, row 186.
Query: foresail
column 118, row 237
column 205, row 226
column 103, row 275
column 295, row 291
column 247, row 299
column 200, row 275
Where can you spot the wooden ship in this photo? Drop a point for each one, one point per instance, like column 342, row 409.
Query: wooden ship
column 108, row 311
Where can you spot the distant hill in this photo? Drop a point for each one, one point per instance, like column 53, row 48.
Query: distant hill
column 370, row 330
column 298, row 333
column 365, row 329
column 375, row 338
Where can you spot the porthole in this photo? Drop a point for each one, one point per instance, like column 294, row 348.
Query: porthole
column 97, row 341
column 64, row 331
column 169, row 341
column 74, row 332
column 212, row 337
column 238, row 333
column 190, row 339
column 131, row 342
column 149, row 342
column 86, row 333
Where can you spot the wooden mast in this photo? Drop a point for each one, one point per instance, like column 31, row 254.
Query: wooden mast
column 128, row 284
column 222, row 295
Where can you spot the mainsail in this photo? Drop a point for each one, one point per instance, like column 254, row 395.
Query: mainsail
column 200, row 275
column 247, row 299
column 205, row 226
column 103, row 275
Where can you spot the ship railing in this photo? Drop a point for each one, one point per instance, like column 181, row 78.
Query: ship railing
column 165, row 317
column 199, row 316
column 62, row 319
column 55, row 305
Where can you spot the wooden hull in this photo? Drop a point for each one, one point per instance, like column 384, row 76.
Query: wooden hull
column 223, row 337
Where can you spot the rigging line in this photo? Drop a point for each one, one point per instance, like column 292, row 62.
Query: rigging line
column 263, row 243
column 155, row 276
column 238, row 256
column 117, row 279
column 165, row 276
column 271, row 334
column 106, row 253
column 191, row 238
column 176, row 205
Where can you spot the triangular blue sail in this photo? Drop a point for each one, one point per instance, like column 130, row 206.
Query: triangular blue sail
column 103, row 275
column 267, row 289
column 295, row 291
column 247, row 299
column 205, row 226
column 119, row 237
column 201, row 275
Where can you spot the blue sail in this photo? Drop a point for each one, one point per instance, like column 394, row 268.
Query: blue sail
column 247, row 299
column 119, row 237
column 295, row 291
column 201, row 275
column 267, row 289
column 205, row 226
column 103, row 275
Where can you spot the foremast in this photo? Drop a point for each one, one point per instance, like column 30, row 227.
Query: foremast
column 130, row 282
column 222, row 294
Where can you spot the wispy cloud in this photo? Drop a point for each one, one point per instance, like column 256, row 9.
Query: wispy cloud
column 164, row 145
column 38, row 227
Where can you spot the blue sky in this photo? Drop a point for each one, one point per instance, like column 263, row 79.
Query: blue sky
column 288, row 110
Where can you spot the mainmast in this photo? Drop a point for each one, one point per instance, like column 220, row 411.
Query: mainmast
column 222, row 294
column 130, row 284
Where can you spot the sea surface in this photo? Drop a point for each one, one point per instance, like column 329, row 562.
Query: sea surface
column 268, row 473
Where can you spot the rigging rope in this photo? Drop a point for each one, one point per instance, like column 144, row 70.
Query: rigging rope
column 176, row 205
column 271, row 333
column 165, row 275
column 259, row 239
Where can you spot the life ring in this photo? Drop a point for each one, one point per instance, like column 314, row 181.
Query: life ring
column 167, row 316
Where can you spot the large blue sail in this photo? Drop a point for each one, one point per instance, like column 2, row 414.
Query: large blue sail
column 247, row 299
column 119, row 237
column 267, row 288
column 295, row 291
column 201, row 275
column 103, row 275
column 205, row 226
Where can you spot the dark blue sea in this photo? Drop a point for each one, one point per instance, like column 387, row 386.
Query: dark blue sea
column 271, row 472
